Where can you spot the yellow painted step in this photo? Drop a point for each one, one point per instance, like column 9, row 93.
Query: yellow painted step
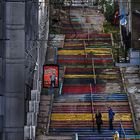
column 88, row 117
column 101, row 76
column 86, row 39
column 81, row 44
column 82, row 52
column 73, row 44
column 79, row 76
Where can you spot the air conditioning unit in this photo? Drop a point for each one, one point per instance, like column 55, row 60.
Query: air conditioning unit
column 29, row 132
column 34, row 106
column 35, row 95
column 31, row 118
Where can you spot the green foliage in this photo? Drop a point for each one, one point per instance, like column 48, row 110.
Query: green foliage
column 109, row 28
column 108, row 8
column 109, row 14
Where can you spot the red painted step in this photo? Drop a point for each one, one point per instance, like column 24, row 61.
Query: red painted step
column 84, row 56
column 85, row 36
column 62, row 61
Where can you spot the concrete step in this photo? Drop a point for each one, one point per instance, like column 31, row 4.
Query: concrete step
column 50, row 137
column 45, row 97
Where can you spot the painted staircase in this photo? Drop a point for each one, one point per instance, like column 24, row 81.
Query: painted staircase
column 91, row 82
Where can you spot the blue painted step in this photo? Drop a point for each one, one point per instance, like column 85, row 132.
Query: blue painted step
column 96, row 97
column 104, row 131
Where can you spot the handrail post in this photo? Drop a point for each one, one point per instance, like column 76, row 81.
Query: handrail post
column 61, row 85
column 92, row 108
column 76, row 136
column 122, row 129
column 60, row 90
column 93, row 68
column 85, row 48
column 88, row 33
column 49, row 117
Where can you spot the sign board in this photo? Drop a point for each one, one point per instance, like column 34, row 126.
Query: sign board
column 50, row 76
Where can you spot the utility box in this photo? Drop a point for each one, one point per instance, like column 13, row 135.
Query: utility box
column 134, row 57
column 34, row 106
column 29, row 132
column 31, row 119
column 35, row 95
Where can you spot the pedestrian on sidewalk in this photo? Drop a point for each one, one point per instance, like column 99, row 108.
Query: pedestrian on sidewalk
column 99, row 121
column 111, row 115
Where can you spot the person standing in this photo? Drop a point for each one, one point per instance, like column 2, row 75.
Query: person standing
column 52, row 77
column 99, row 121
column 116, row 18
column 111, row 117
column 116, row 135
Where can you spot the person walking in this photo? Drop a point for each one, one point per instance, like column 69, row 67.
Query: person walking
column 99, row 121
column 111, row 117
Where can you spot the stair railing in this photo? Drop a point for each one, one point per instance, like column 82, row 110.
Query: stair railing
column 92, row 108
column 50, row 113
column 122, row 131
column 85, row 49
column 76, row 136
column 93, row 68
column 91, row 91
column 62, row 80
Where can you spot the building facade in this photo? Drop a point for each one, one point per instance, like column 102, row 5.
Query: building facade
column 18, row 30
column 135, row 12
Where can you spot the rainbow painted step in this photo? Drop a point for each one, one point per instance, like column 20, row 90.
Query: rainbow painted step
column 91, row 56
column 84, row 62
column 85, row 36
column 74, row 110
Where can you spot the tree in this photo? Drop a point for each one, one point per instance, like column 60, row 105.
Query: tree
column 108, row 8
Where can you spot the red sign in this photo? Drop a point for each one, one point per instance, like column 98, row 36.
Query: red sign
column 50, row 76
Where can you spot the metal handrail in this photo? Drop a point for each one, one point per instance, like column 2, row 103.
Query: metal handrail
column 93, row 68
column 76, row 136
column 49, row 116
column 122, row 130
column 129, row 99
column 92, row 108
column 85, row 49
column 61, row 85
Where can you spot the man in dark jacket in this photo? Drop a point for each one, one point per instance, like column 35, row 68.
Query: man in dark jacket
column 99, row 122
column 111, row 117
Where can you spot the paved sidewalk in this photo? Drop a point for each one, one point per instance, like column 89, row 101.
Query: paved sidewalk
column 131, row 77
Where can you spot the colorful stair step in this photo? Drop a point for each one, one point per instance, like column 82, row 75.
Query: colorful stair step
column 74, row 110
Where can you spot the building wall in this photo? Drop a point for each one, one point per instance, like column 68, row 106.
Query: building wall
column 31, row 35
column 18, row 30
column 125, row 13
column 133, row 22
column 14, row 74
column 2, row 37
column 135, row 5
column 1, row 65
